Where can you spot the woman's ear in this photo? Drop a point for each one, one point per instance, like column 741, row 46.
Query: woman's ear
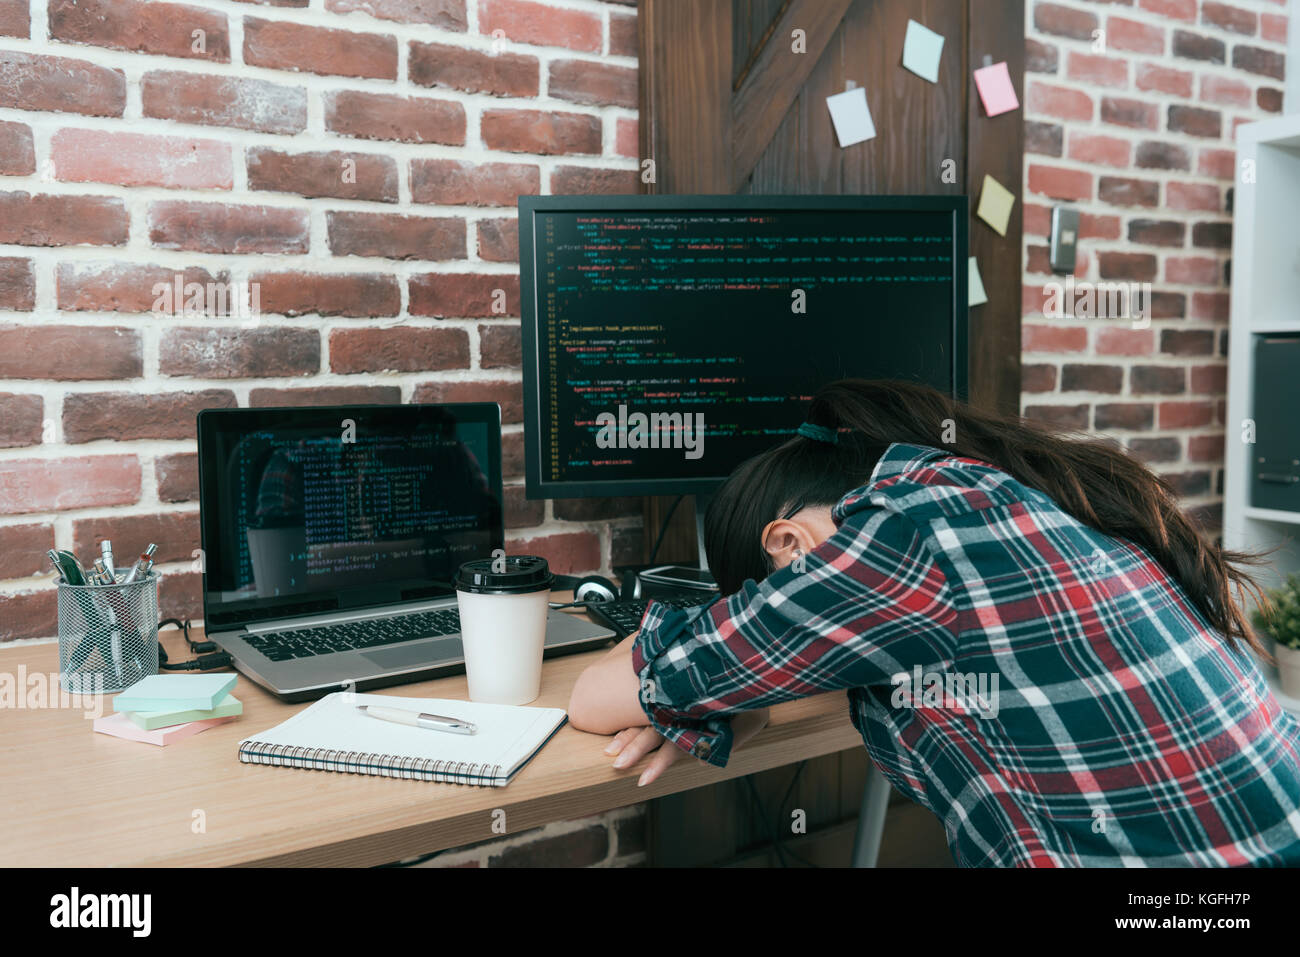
column 784, row 540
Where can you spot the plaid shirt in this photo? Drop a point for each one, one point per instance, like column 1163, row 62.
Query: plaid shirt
column 1048, row 691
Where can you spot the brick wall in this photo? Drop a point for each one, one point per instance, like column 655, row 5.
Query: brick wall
column 354, row 161
column 1135, row 128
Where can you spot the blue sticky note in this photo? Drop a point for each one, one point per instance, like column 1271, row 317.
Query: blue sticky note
column 922, row 48
column 175, row 692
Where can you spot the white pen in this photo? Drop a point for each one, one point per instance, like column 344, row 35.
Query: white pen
column 416, row 719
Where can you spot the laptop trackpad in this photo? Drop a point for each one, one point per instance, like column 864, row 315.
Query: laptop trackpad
column 416, row 653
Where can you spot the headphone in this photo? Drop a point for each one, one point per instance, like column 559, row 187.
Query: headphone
column 592, row 590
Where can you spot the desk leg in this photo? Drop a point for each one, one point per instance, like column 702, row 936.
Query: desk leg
column 871, row 818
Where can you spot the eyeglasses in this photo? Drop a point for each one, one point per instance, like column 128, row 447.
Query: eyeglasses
column 798, row 507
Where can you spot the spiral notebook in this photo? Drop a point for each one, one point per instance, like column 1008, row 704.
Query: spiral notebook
column 332, row 735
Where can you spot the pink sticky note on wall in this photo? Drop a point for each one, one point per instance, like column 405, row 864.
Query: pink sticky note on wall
column 996, row 91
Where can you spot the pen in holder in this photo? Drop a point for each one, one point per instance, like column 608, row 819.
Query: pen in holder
column 108, row 634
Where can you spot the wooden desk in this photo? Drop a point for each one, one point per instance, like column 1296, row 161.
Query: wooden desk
column 76, row 798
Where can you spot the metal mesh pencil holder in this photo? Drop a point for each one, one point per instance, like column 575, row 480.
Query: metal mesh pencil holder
column 108, row 635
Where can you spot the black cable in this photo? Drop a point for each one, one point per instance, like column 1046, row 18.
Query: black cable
column 663, row 528
column 212, row 658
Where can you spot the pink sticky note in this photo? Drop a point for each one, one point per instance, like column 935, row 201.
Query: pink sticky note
column 120, row 726
column 996, row 91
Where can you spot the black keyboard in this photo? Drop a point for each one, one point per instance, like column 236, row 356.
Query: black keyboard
column 625, row 615
column 349, row 636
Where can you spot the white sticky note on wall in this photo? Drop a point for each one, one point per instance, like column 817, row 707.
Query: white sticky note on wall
column 921, row 50
column 851, row 116
column 975, row 294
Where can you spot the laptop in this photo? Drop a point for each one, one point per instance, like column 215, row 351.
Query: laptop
column 331, row 536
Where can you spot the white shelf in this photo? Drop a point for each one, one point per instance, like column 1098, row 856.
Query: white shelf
column 1272, row 515
column 1266, row 326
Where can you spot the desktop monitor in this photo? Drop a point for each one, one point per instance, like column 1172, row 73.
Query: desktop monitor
column 720, row 315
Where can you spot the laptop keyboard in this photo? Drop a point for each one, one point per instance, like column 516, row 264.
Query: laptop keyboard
column 353, row 635
column 625, row 614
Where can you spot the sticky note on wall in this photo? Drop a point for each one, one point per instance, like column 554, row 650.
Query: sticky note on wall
column 995, row 204
column 921, row 50
column 995, row 89
column 975, row 294
column 851, row 116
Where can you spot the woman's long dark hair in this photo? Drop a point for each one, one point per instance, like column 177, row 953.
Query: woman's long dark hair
column 1099, row 485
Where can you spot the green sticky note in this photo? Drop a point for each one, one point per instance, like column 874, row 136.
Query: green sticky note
column 995, row 204
column 175, row 692
column 228, row 707
column 975, row 294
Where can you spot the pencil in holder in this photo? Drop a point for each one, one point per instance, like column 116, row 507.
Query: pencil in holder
column 108, row 635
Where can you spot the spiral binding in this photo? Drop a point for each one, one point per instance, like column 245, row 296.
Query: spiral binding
column 364, row 762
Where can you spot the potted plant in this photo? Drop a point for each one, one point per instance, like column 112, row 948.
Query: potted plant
column 1281, row 620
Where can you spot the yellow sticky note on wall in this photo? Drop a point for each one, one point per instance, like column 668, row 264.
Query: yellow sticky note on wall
column 995, row 204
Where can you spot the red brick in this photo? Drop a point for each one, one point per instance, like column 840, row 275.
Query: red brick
column 1157, row 380
column 473, row 71
column 17, row 284
column 1136, row 114
column 1185, row 415
column 219, row 228
column 59, row 84
column 449, row 182
column 1212, row 235
column 1100, row 150
column 1037, row 220
column 238, row 102
column 1129, row 416
column 1062, row 21
column 1266, row 98
column 1184, row 10
column 571, row 553
column 295, row 46
column 1205, row 448
column 1081, row 377
column 1218, row 89
column 1037, row 378
column 404, row 119
column 135, row 159
column 1168, row 305
column 337, row 174
column 15, row 21
column 408, row 349
column 1157, row 232
column 1152, row 154
column 1123, row 191
column 69, row 353
column 1059, row 183
column 180, row 594
column 1200, row 196
column 1211, row 305
column 47, row 485
column 498, row 240
column 1063, row 418
column 1195, row 121
column 1230, row 18
column 1187, row 342
column 1219, row 164
column 175, row 533
column 590, row 180
column 626, row 138
column 1099, row 70
column 178, row 477
column 29, row 615
column 1272, row 27
column 512, row 454
column 47, row 220
column 142, row 27
column 522, row 512
column 1125, row 34
column 1119, row 341
column 218, row 352
column 1058, row 101
column 459, row 295
column 328, row 294
column 394, row 236
column 1049, row 338
column 22, row 420
column 17, row 151
column 1041, row 57
column 500, row 346
column 123, row 287
column 1257, row 60
column 508, row 395
column 1197, row 46
column 1135, row 267
column 1209, row 380
column 540, row 24
column 123, row 416
column 23, row 548
column 1193, row 270
column 443, row 14
column 1153, row 450
column 538, row 131
column 1093, row 226
column 326, row 395
column 595, row 84
column 623, row 34
column 1162, row 79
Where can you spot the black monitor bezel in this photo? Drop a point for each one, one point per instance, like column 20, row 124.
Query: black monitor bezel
column 218, row 614
column 535, row 487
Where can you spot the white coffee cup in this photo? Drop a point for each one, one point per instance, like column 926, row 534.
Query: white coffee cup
column 504, row 604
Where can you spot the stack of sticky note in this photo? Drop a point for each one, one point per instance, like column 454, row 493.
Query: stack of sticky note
column 161, row 709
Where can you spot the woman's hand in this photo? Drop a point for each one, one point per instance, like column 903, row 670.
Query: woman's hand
column 632, row 744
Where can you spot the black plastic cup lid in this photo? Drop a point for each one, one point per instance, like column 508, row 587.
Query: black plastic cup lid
column 521, row 574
